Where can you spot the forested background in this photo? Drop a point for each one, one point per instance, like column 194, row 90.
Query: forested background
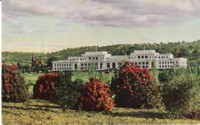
column 190, row 50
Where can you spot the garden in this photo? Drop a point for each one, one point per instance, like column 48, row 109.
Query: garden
column 132, row 95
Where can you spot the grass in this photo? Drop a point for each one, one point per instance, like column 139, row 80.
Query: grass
column 31, row 77
column 44, row 112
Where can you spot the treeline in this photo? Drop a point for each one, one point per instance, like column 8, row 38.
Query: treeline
column 190, row 50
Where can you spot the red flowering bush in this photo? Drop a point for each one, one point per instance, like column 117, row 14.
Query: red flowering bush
column 135, row 87
column 13, row 84
column 45, row 87
column 95, row 96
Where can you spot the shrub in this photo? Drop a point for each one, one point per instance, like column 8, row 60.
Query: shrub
column 95, row 96
column 135, row 87
column 14, row 88
column 45, row 87
column 67, row 91
column 182, row 95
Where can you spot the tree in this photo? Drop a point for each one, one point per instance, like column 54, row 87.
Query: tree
column 67, row 91
column 14, row 88
column 135, row 87
column 50, row 60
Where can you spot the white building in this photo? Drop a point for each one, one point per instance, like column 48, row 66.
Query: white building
column 104, row 61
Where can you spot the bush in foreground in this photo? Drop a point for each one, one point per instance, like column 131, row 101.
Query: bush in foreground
column 45, row 87
column 95, row 96
column 182, row 95
column 67, row 91
column 14, row 88
column 135, row 87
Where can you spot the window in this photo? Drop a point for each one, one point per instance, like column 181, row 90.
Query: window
column 138, row 57
column 96, row 58
column 89, row 58
column 108, row 65
column 142, row 62
column 147, row 63
column 113, row 65
column 142, row 57
column 146, row 57
column 101, row 65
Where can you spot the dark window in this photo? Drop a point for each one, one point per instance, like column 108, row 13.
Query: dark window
column 89, row 58
column 138, row 57
column 75, row 66
column 146, row 57
column 108, row 65
column 96, row 58
column 142, row 57
column 101, row 64
column 113, row 65
column 147, row 62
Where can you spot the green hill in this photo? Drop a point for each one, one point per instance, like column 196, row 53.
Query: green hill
column 190, row 50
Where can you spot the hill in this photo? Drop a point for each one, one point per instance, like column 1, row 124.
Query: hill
column 190, row 50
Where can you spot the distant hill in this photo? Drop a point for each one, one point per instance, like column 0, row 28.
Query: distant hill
column 190, row 50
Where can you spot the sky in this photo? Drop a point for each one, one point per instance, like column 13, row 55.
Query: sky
column 52, row 25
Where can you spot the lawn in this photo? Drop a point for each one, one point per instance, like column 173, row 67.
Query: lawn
column 44, row 112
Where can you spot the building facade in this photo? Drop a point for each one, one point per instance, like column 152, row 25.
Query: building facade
column 104, row 61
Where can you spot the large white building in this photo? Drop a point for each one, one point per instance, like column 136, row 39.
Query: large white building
column 104, row 61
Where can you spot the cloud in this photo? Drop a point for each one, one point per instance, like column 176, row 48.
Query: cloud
column 114, row 13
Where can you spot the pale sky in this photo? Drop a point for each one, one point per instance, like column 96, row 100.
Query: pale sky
column 51, row 25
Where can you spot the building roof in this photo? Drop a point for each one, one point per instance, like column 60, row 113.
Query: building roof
column 144, row 52
column 98, row 53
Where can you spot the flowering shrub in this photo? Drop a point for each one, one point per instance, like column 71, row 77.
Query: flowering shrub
column 13, row 84
column 45, row 87
column 95, row 96
column 135, row 87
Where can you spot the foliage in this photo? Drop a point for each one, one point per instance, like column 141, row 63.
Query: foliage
column 166, row 76
column 182, row 94
column 45, row 87
column 135, row 87
column 95, row 96
column 154, row 70
column 50, row 60
column 14, row 88
column 66, row 90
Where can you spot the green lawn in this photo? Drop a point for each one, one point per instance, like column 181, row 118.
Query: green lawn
column 32, row 77
column 44, row 112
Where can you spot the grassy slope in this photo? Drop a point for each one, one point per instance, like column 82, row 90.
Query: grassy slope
column 43, row 112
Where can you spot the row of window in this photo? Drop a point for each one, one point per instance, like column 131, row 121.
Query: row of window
column 168, row 62
column 165, row 66
column 146, row 57
column 62, row 68
column 62, row 64
column 83, row 58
